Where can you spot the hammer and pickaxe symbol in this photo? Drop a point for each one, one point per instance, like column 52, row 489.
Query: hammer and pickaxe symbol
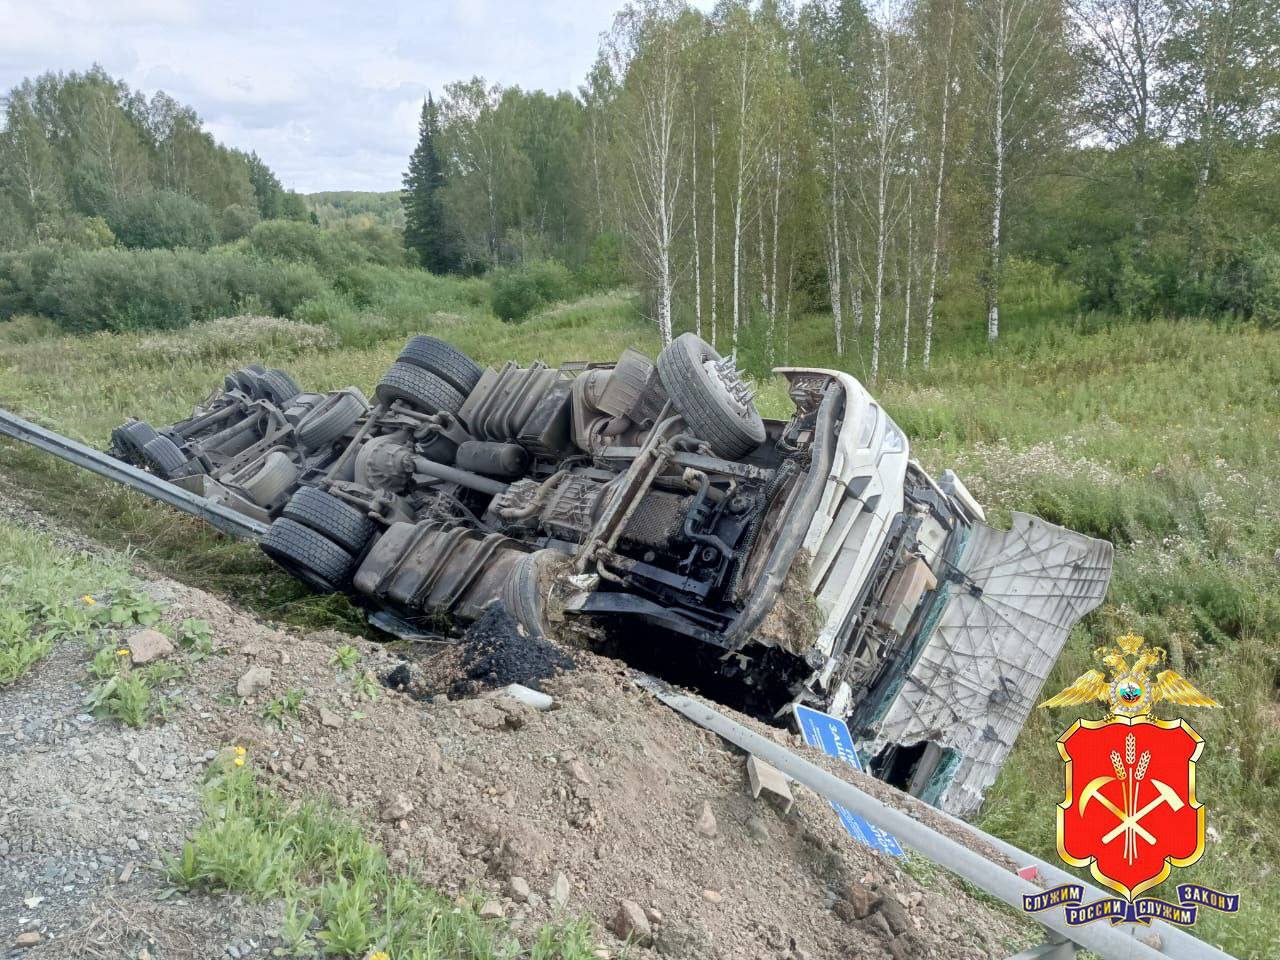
column 1130, row 822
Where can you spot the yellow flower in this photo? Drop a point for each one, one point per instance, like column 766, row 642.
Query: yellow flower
column 88, row 600
column 241, row 751
column 239, row 761
column 379, row 955
column 122, row 652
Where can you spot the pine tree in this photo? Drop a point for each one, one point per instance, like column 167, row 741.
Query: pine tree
column 428, row 230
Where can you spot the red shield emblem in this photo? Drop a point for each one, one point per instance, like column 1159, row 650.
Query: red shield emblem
column 1130, row 812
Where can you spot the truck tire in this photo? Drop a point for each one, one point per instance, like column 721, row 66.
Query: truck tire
column 420, row 389
column 316, row 561
column 329, row 420
column 244, row 380
column 131, row 439
column 163, row 457
column 337, row 520
column 730, row 425
column 278, row 386
column 444, row 360
column 522, row 593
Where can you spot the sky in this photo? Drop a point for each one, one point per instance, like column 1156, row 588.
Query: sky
column 327, row 93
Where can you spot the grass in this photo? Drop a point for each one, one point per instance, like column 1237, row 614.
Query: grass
column 1163, row 437
column 341, row 896
column 46, row 593
column 283, row 708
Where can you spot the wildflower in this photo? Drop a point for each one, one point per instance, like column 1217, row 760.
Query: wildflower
column 241, row 751
column 122, row 652
column 88, row 600
column 379, row 955
column 239, row 761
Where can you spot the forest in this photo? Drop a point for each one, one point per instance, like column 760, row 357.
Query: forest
column 752, row 172
column 881, row 163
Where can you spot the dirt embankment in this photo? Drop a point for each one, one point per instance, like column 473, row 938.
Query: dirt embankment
column 607, row 796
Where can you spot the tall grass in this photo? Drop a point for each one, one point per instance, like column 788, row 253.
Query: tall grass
column 1163, row 437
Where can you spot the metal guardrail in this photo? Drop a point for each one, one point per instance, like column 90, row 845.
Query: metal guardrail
column 219, row 515
column 1110, row 943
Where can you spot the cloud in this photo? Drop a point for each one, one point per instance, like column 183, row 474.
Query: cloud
column 326, row 92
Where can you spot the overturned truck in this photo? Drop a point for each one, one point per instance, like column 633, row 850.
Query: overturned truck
column 651, row 510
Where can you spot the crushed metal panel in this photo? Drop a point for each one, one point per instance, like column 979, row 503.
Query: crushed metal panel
column 996, row 640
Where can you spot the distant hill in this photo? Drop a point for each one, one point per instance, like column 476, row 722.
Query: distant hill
column 333, row 206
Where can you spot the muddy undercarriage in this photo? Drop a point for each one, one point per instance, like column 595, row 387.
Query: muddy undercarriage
column 650, row 508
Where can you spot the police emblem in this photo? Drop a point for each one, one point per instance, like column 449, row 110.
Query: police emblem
column 1130, row 812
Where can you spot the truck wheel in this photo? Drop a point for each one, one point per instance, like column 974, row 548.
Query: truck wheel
column 278, row 386
column 444, row 360
column 313, row 559
column 163, row 457
column 707, row 392
column 522, row 593
column 418, row 388
column 329, row 420
column 131, row 439
column 337, row 520
column 244, row 380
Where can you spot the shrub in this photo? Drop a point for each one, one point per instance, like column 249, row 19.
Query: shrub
column 162, row 218
column 235, row 222
column 605, row 267
column 162, row 289
column 297, row 242
column 24, row 273
column 519, row 291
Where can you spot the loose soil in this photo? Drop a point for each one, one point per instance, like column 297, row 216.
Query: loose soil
column 608, row 789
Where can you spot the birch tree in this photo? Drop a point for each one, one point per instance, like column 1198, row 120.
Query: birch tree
column 598, row 96
column 1222, row 58
column 648, row 43
column 944, row 96
column 880, row 186
column 745, row 64
column 829, row 33
column 1016, row 46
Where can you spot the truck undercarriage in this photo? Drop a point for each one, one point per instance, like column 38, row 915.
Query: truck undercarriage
column 649, row 510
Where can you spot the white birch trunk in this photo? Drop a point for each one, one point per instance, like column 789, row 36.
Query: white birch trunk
column 834, row 284
column 714, row 233
column 910, row 274
column 737, row 202
column 937, row 199
column 697, row 250
column 1000, row 41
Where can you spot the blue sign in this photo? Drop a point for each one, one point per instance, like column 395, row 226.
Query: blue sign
column 832, row 737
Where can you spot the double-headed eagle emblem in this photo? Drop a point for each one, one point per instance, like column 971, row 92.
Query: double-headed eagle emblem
column 1130, row 691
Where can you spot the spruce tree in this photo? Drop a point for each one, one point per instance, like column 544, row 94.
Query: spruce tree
column 428, row 230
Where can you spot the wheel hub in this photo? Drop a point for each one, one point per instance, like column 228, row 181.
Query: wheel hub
column 725, row 375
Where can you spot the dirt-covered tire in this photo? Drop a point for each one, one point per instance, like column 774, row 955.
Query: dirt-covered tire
column 277, row 386
column 444, row 360
column 130, row 439
column 244, row 380
column 329, row 420
column 709, row 409
column 273, row 479
column 312, row 558
column 164, row 457
column 324, row 513
column 522, row 593
column 420, row 389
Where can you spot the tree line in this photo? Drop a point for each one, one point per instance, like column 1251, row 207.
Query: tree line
column 873, row 160
column 86, row 161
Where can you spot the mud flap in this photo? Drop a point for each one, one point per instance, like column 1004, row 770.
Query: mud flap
column 1009, row 606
